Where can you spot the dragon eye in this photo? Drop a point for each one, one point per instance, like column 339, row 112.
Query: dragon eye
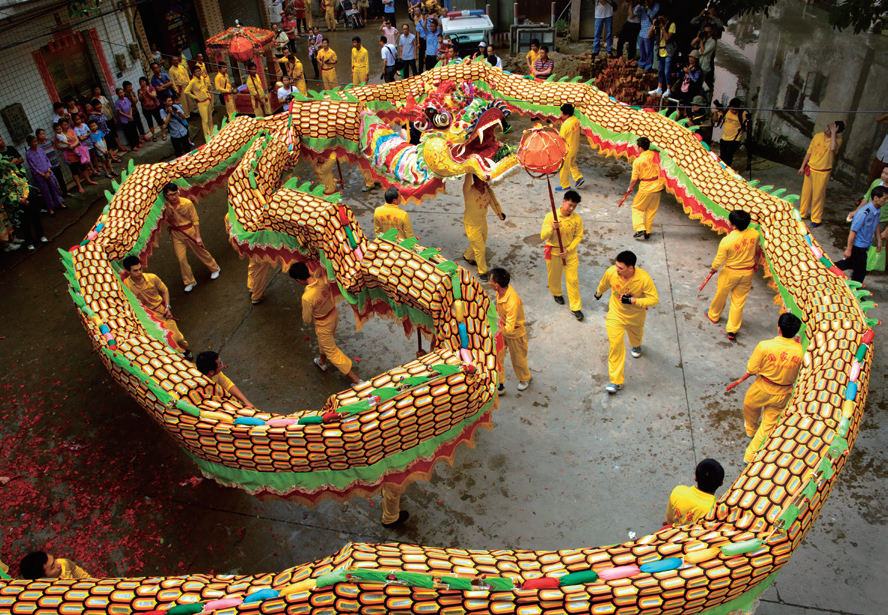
column 442, row 119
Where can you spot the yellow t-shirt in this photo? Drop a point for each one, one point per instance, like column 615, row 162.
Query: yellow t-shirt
column 149, row 292
column 733, row 128
column 254, row 85
column 510, row 310
column 646, row 170
column 389, row 216
column 532, row 56
column 571, row 231
column 297, row 75
column 662, row 41
column 737, row 250
column 822, row 157
column 70, row 570
column 223, row 381
column 360, row 59
column 325, row 55
column 179, row 75
column 477, row 204
column 184, row 217
column 223, row 83
column 317, row 300
column 640, row 286
column 198, row 89
column 687, row 504
column 570, row 132
column 777, row 359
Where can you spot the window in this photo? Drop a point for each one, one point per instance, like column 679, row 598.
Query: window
column 72, row 70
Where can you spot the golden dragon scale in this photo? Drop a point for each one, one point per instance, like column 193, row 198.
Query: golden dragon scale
column 717, row 565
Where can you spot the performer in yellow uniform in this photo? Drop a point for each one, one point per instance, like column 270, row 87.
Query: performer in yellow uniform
column 223, row 85
column 571, row 227
column 478, row 196
column 152, row 293
column 570, row 132
column 510, row 312
column 360, row 62
column 390, row 216
column 319, row 306
column 205, row 74
column 323, row 168
column 184, row 227
column 816, row 168
column 329, row 8
column 776, row 362
column 41, row 565
column 210, row 365
column 297, row 74
column 645, row 171
column 179, row 76
column 687, row 504
column 632, row 293
column 327, row 61
column 197, row 89
column 737, row 253
column 257, row 273
column 257, row 92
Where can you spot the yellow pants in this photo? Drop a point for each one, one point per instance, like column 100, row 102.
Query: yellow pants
column 616, row 355
column 260, row 108
column 644, row 208
column 186, row 104
column 359, row 76
column 179, row 343
column 326, row 330
column 206, row 117
column 517, row 347
column 477, row 250
column 257, row 274
column 324, row 173
column 330, row 18
column 391, row 502
column 331, row 81
column 230, row 107
column 736, row 284
column 181, row 245
column 761, row 413
column 814, row 195
column 569, row 169
column 369, row 180
column 571, row 279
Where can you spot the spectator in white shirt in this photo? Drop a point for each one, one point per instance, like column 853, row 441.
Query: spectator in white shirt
column 492, row 58
column 285, row 92
column 604, row 19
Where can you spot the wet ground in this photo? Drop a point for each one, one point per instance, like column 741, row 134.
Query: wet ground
column 566, row 466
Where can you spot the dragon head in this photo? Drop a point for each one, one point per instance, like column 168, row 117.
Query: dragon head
column 461, row 125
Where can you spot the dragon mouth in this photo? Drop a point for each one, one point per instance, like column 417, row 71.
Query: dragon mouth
column 482, row 144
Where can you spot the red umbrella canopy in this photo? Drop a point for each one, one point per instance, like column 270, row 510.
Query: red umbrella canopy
column 241, row 49
column 542, row 150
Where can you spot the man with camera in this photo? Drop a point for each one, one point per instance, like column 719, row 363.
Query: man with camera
column 647, row 10
column 705, row 42
column 667, row 46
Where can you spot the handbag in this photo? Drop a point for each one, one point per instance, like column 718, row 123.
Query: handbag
column 83, row 152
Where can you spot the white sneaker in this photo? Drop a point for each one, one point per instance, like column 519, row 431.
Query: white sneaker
column 667, row 93
column 522, row 386
column 17, row 242
column 44, row 240
column 190, row 287
column 31, row 247
column 613, row 388
column 322, row 367
column 216, row 273
column 12, row 247
column 657, row 92
column 636, row 351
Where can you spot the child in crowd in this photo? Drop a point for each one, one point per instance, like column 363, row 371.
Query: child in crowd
column 41, row 565
column 97, row 138
column 53, row 156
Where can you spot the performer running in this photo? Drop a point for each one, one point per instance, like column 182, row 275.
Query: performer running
column 687, row 504
column 390, row 216
column 632, row 293
column 645, row 171
column 776, row 362
column 737, row 253
column 152, row 293
column 478, row 196
column 571, row 227
column 319, row 306
column 510, row 311
column 570, row 132
column 210, row 365
column 184, row 226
